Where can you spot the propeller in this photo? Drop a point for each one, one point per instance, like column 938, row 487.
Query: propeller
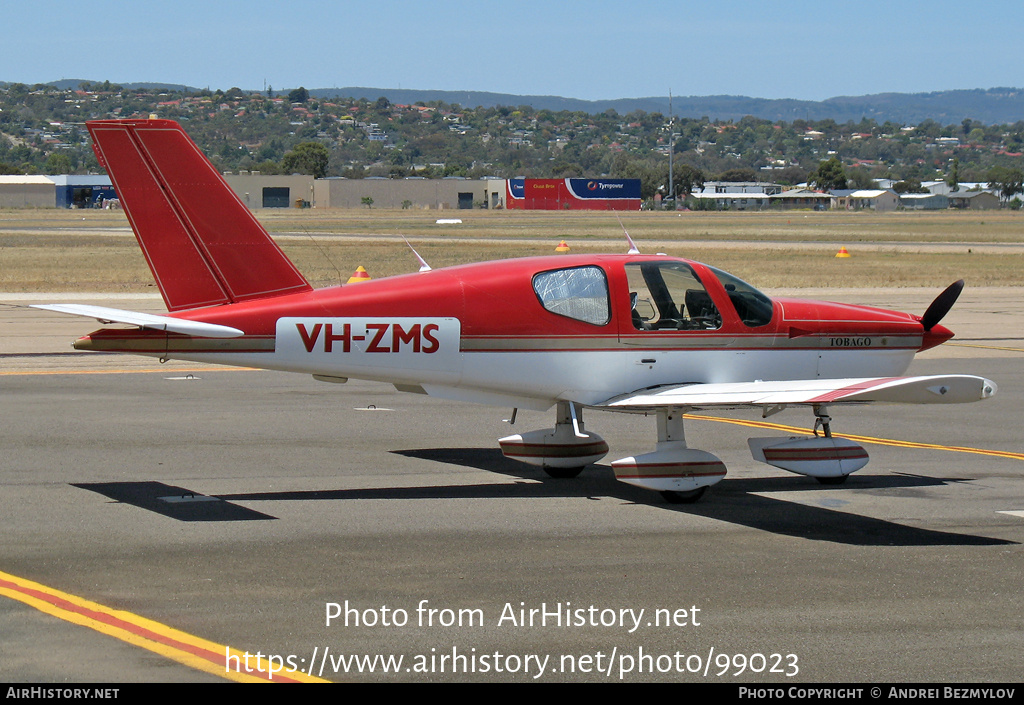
column 941, row 305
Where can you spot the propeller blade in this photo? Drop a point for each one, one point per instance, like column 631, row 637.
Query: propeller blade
column 941, row 305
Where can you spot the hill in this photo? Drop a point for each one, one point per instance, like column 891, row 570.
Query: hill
column 991, row 107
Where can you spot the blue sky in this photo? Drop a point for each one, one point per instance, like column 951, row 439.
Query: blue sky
column 596, row 49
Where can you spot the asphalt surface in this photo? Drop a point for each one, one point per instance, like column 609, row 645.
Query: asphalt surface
column 328, row 493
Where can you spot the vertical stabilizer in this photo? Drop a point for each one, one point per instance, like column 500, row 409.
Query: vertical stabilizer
column 202, row 243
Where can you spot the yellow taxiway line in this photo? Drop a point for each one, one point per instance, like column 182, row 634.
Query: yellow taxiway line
column 203, row 655
column 703, row 417
column 863, row 439
column 984, row 347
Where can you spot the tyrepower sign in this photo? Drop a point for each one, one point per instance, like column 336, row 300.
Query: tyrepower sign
column 574, row 194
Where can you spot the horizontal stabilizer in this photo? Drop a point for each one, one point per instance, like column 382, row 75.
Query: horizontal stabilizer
column 145, row 320
column 936, row 389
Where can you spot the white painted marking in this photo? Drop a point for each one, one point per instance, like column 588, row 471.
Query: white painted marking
column 177, row 499
column 1014, row 513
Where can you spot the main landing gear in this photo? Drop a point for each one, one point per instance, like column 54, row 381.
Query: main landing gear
column 680, row 473
column 563, row 451
column 827, row 459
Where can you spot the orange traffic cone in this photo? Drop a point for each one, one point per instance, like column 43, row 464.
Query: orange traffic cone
column 360, row 275
column 562, row 247
column 842, row 252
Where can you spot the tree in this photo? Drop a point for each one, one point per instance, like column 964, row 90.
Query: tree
column 307, row 158
column 299, row 95
column 688, row 179
column 740, row 174
column 860, row 179
column 1008, row 182
column 58, row 163
column 907, row 186
column 567, row 170
column 829, row 175
column 790, row 175
column 367, row 201
column 953, row 180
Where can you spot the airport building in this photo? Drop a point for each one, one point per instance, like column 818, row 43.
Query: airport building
column 37, row 191
column 574, row 194
column 259, row 191
column 434, row 194
column 83, row 191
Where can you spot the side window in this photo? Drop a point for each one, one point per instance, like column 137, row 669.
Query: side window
column 669, row 296
column 580, row 293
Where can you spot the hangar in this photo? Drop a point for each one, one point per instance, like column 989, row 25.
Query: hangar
column 26, row 191
column 74, row 191
column 259, row 191
column 38, row 191
column 412, row 192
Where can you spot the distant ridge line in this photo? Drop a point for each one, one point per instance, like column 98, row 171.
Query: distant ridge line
column 989, row 106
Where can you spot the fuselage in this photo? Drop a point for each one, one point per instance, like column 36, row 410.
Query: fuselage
column 533, row 331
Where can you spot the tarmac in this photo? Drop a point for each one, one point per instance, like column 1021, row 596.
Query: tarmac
column 242, row 507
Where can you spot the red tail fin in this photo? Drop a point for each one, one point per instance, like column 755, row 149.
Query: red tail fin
column 203, row 245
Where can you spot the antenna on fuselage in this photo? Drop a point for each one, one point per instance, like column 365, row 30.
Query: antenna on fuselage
column 424, row 267
column 633, row 249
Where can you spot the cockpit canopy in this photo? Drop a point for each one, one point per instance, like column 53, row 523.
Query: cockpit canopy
column 669, row 295
column 665, row 294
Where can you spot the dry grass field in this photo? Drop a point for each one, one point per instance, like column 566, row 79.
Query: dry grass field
column 60, row 250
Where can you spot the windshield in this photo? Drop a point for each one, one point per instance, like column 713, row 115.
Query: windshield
column 753, row 307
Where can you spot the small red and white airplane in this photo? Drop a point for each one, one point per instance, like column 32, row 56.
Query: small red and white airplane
column 634, row 333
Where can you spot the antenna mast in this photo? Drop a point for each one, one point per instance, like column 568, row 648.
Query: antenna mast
column 671, row 150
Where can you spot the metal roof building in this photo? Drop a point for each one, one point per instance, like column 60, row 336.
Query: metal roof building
column 65, row 191
column 26, row 191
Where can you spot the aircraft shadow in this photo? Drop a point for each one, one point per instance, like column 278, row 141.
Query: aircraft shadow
column 737, row 501
column 174, row 502
column 734, row 500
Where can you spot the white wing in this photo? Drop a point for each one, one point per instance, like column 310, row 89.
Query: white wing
column 936, row 389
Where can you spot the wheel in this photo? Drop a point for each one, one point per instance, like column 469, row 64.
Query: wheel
column 835, row 480
column 688, row 497
column 563, row 473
